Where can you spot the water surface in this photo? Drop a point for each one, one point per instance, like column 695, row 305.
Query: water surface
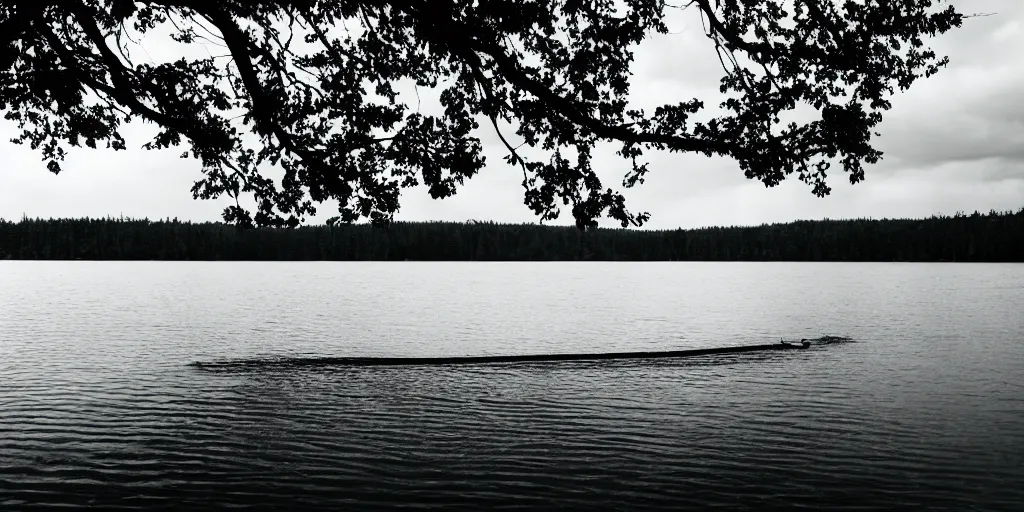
column 98, row 407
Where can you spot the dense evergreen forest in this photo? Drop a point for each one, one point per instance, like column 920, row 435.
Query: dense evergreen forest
column 996, row 236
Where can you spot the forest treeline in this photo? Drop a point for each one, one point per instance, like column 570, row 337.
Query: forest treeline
column 995, row 236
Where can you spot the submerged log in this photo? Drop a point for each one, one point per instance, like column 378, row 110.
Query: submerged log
column 532, row 358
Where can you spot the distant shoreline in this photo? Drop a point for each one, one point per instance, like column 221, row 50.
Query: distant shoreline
column 976, row 238
column 499, row 261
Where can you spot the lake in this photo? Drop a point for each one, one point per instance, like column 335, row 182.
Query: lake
column 924, row 409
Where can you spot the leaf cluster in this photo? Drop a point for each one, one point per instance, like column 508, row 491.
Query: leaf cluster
column 312, row 88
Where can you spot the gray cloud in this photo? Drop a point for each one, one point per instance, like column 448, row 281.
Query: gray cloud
column 972, row 111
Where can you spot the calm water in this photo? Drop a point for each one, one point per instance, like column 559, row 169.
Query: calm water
column 924, row 411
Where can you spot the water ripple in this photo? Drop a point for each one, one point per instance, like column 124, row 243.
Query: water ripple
column 98, row 410
column 613, row 436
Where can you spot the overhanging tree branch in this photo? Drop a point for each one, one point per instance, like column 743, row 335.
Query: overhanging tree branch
column 328, row 113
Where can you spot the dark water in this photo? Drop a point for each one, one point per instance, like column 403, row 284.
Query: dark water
column 98, row 408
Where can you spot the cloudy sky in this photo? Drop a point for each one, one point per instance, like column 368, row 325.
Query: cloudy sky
column 954, row 142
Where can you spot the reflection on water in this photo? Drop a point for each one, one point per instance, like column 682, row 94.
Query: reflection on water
column 917, row 416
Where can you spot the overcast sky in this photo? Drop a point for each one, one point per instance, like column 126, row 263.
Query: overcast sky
column 954, row 142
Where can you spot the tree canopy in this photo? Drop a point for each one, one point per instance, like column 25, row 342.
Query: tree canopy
column 311, row 88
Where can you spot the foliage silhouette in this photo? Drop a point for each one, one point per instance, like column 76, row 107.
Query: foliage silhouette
column 976, row 237
column 311, row 86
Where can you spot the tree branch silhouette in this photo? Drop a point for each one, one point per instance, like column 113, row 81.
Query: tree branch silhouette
column 311, row 87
